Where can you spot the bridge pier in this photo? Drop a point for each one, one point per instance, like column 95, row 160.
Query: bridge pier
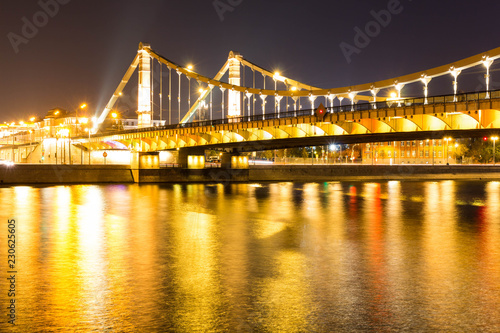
column 191, row 158
column 234, row 160
column 143, row 160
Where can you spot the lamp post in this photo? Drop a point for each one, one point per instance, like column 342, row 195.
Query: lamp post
column 79, row 121
column 88, row 130
column 31, row 140
column 84, row 121
column 69, row 147
column 447, row 148
column 494, row 139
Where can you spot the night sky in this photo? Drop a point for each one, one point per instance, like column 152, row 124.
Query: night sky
column 81, row 53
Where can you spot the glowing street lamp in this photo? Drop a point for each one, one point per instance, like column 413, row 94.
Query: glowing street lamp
column 447, row 140
column 63, row 133
column 494, row 139
column 87, row 129
column 83, row 106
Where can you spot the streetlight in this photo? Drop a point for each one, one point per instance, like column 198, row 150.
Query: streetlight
column 494, row 139
column 64, row 133
column 88, row 130
column 447, row 148
column 31, row 141
column 79, row 121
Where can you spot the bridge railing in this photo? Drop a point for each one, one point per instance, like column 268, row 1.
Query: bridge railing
column 364, row 106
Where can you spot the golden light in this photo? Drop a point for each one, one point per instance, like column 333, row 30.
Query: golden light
column 114, row 115
column 64, row 132
column 394, row 95
column 277, row 76
column 84, row 120
column 56, row 113
column 294, row 89
column 201, row 90
column 494, row 138
column 21, row 122
column 190, row 67
column 32, row 119
column 83, row 106
column 120, row 93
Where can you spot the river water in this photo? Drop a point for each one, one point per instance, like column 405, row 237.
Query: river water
column 288, row 257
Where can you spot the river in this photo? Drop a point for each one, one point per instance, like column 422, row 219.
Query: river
column 267, row 257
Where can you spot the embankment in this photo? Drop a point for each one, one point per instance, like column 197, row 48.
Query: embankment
column 299, row 173
column 94, row 174
column 64, row 174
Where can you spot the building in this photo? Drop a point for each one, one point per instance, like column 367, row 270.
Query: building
column 440, row 151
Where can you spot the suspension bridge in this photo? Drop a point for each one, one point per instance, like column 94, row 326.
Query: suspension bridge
column 257, row 109
column 299, row 114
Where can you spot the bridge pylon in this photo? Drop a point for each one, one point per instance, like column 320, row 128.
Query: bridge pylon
column 144, row 90
column 234, row 97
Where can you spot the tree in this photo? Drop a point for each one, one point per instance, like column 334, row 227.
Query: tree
column 479, row 150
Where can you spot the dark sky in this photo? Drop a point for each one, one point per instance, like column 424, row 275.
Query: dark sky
column 81, row 53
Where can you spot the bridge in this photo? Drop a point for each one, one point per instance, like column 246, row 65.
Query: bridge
column 236, row 115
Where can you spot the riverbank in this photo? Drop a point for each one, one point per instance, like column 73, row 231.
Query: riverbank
column 20, row 174
column 299, row 173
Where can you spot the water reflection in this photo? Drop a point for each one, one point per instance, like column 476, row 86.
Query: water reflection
column 419, row 256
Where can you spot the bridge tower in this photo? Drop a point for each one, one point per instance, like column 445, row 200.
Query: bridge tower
column 144, row 90
column 234, row 97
